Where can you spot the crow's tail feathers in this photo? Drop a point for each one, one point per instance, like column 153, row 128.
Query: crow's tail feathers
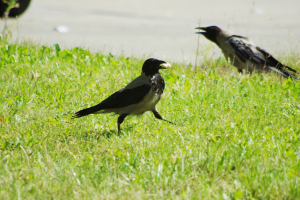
column 292, row 72
column 87, row 111
column 285, row 71
column 277, row 66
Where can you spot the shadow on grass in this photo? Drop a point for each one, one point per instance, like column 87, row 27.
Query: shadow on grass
column 108, row 134
column 93, row 135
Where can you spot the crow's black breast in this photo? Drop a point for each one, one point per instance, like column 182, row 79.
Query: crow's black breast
column 158, row 83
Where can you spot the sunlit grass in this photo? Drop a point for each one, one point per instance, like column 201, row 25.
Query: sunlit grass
column 237, row 135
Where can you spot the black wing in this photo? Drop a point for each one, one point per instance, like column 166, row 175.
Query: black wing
column 244, row 52
column 119, row 99
column 257, row 55
column 273, row 62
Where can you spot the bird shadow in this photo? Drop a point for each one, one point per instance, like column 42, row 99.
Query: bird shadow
column 108, row 134
column 96, row 135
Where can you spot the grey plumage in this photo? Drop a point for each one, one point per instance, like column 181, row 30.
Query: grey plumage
column 244, row 54
column 139, row 96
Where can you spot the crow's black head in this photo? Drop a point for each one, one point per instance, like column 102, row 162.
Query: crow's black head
column 210, row 33
column 152, row 65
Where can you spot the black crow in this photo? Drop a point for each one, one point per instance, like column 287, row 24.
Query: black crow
column 243, row 54
column 139, row 96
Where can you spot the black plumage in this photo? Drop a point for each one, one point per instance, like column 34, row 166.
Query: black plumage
column 245, row 55
column 139, row 96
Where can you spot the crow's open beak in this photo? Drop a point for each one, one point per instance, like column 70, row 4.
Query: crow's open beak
column 201, row 28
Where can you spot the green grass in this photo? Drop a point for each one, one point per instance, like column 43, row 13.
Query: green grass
column 238, row 136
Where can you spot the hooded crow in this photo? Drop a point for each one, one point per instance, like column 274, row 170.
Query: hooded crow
column 139, row 96
column 243, row 54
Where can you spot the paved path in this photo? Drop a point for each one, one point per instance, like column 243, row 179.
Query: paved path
column 160, row 28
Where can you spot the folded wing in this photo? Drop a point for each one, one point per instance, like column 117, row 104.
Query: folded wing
column 248, row 52
column 119, row 99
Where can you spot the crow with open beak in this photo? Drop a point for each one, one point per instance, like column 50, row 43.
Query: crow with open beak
column 243, row 54
column 139, row 96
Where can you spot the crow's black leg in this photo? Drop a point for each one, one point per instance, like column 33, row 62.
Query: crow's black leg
column 240, row 71
column 120, row 121
column 158, row 116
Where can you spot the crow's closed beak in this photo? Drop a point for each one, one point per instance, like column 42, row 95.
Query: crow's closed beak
column 165, row 65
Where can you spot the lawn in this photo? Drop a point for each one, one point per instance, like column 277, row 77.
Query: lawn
column 237, row 136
